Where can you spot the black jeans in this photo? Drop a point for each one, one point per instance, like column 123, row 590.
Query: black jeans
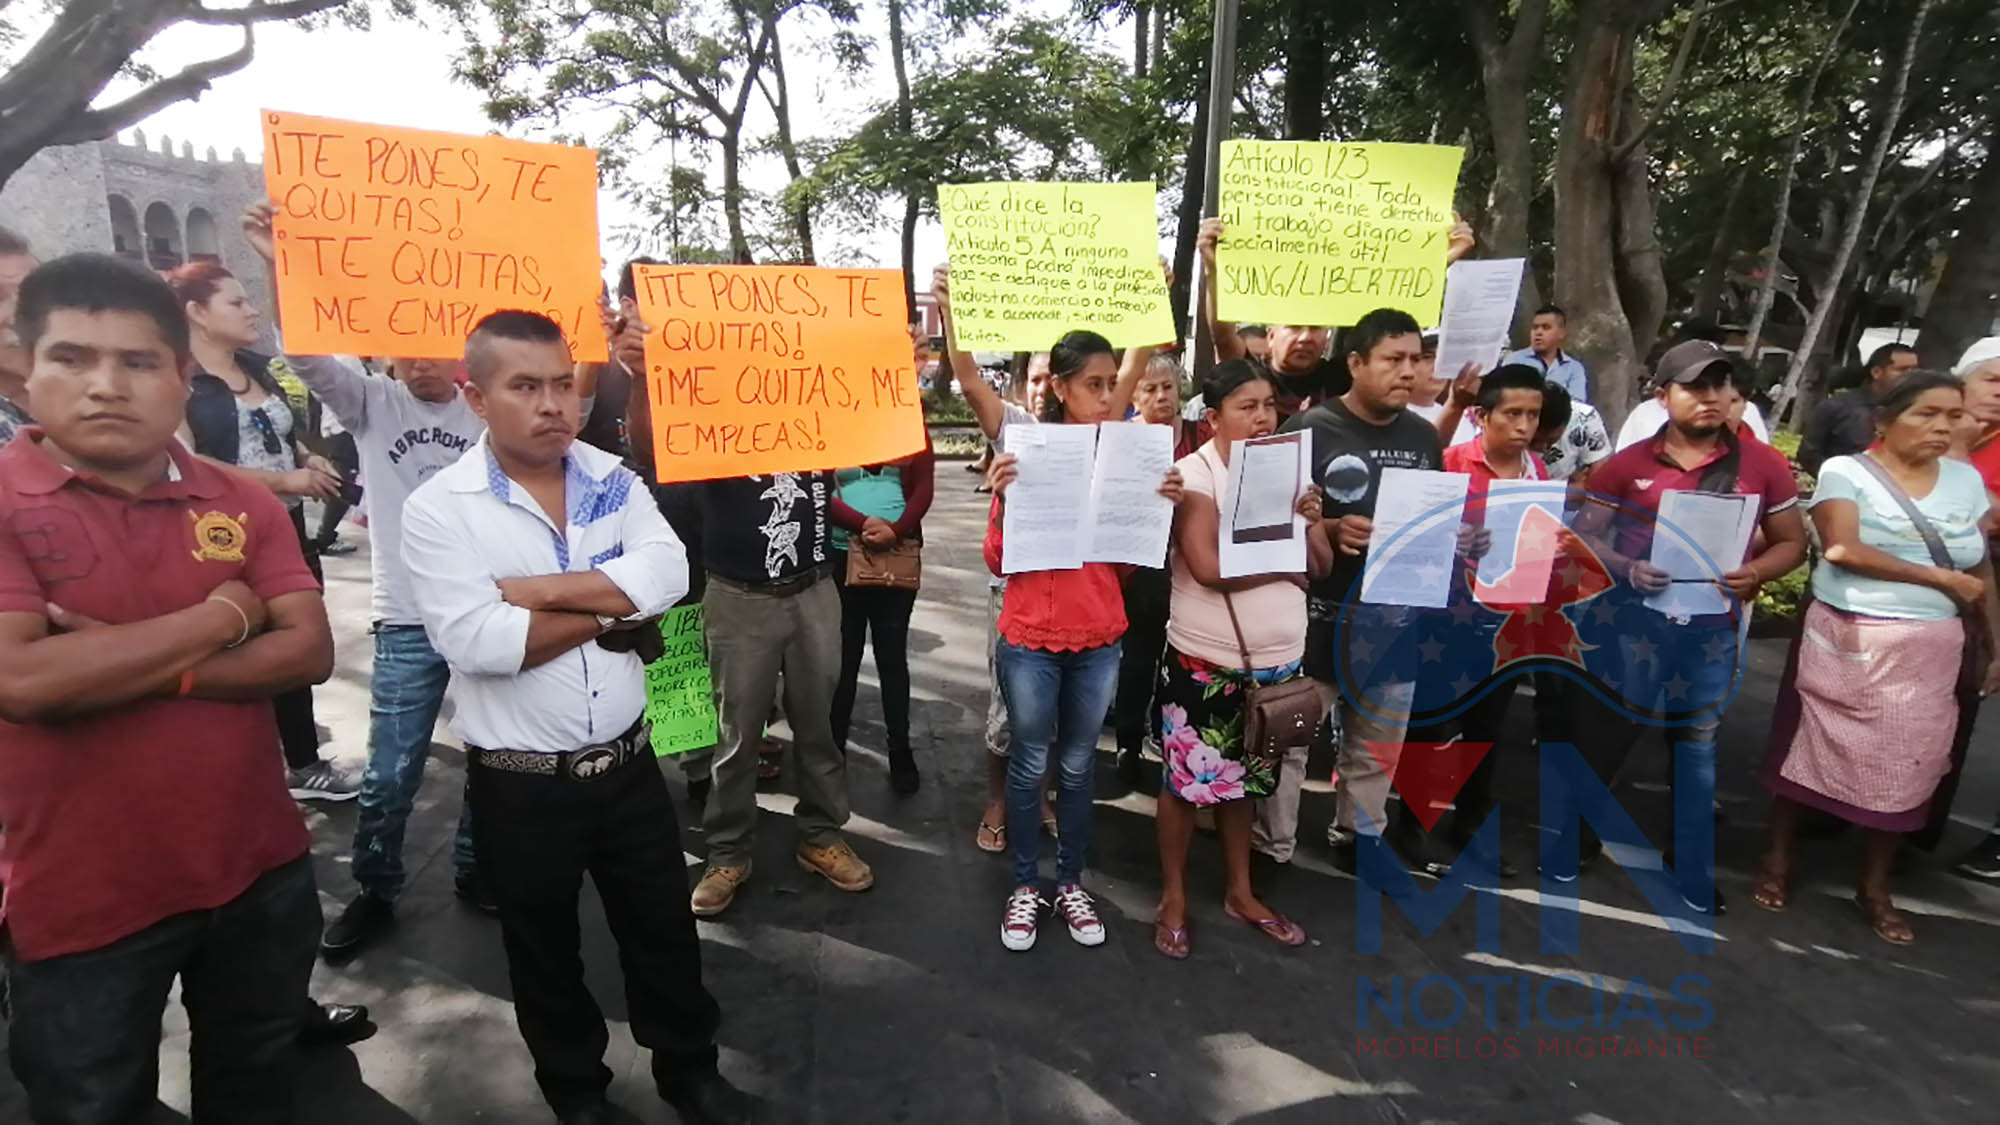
column 298, row 731
column 85, row 1033
column 1147, row 593
column 537, row 836
column 886, row 614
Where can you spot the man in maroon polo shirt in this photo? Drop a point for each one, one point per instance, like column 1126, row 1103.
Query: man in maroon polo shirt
column 150, row 607
column 1681, row 671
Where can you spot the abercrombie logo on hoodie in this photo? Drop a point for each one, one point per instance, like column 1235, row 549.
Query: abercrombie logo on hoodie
column 429, row 435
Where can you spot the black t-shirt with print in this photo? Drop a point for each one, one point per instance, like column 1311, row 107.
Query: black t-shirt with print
column 765, row 528
column 1349, row 455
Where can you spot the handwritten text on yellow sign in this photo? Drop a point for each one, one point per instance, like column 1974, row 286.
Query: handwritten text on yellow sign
column 1321, row 232
column 1031, row 261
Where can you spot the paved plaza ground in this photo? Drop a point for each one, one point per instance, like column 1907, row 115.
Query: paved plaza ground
column 900, row 1006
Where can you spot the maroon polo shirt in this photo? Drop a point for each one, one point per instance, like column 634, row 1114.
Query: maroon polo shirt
column 1640, row 475
column 118, row 820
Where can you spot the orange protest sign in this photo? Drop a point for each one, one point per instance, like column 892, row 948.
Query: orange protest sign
column 395, row 242
column 771, row 369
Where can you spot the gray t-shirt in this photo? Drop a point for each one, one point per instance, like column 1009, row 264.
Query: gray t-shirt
column 402, row 440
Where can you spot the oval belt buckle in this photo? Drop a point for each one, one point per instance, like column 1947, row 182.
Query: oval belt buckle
column 592, row 762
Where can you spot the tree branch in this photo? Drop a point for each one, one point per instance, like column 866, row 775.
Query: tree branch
column 258, row 13
column 97, row 124
column 1675, row 72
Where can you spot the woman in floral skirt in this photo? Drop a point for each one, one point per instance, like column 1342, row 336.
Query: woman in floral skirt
column 1223, row 635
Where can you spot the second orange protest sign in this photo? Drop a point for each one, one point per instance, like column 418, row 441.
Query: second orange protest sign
column 395, row 242
column 768, row 369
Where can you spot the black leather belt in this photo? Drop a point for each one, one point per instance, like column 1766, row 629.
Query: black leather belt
column 783, row 588
column 583, row 764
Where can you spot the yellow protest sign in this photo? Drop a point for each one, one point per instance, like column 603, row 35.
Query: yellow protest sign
column 1321, row 232
column 1031, row 261
column 395, row 242
column 771, row 369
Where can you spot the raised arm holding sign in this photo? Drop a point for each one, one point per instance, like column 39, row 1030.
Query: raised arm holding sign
column 397, row 241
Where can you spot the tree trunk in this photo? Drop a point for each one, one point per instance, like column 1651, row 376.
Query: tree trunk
column 46, row 96
column 1857, row 212
column 732, row 191
column 1967, row 299
column 1306, row 71
column 1587, row 212
column 1187, row 219
column 1641, row 270
column 1504, row 70
column 912, row 193
column 798, row 208
column 1141, row 38
column 1715, row 271
column 911, row 210
column 1767, row 280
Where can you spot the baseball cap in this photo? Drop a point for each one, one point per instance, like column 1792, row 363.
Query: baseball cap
column 1689, row 360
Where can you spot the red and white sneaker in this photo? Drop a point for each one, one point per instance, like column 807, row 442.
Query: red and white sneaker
column 1024, row 911
column 1073, row 903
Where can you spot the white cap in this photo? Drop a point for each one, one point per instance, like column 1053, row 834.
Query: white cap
column 1980, row 352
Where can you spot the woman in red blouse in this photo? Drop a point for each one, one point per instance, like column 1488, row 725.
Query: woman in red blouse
column 1058, row 658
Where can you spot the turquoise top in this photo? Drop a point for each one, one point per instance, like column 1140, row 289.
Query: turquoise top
column 872, row 492
column 1953, row 505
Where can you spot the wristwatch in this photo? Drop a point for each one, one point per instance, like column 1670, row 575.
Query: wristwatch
column 606, row 623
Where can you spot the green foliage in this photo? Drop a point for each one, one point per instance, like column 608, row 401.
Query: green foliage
column 1034, row 104
column 1780, row 599
column 944, row 406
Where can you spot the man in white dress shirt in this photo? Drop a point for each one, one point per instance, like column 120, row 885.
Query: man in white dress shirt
column 536, row 561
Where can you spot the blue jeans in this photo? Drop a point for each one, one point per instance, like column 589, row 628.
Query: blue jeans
column 403, row 701
column 1679, row 678
column 1056, row 701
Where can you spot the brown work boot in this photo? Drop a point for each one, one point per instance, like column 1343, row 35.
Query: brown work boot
column 717, row 888
column 838, row 863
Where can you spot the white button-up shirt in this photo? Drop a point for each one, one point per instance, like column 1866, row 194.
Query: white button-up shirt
column 470, row 526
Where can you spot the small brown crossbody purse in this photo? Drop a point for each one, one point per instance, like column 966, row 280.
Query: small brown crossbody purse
column 1276, row 717
column 900, row 567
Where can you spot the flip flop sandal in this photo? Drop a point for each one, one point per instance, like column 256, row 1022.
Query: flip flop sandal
column 1050, row 826
column 1768, row 890
column 1887, row 921
column 1172, row 943
column 1277, row 927
column 990, row 837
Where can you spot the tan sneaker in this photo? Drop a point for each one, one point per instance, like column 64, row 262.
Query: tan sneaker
column 839, row 864
column 717, row 888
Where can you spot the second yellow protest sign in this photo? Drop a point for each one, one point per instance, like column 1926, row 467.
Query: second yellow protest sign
column 1321, row 232
column 770, row 369
column 1031, row 261
column 395, row 242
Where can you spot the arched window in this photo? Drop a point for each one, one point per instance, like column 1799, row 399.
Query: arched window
column 125, row 239
column 163, row 237
column 201, row 240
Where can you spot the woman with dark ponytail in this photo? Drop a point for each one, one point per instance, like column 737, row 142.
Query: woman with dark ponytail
column 1224, row 635
column 1057, row 656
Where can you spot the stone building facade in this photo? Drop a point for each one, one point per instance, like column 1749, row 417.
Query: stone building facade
column 151, row 205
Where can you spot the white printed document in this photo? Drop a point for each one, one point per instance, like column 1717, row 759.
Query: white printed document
column 1413, row 549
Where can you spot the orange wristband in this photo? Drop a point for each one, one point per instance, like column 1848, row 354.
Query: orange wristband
column 187, row 682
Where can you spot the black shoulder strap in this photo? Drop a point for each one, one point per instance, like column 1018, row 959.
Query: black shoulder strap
column 1722, row 473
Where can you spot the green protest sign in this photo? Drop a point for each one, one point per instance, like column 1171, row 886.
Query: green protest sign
column 680, row 696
